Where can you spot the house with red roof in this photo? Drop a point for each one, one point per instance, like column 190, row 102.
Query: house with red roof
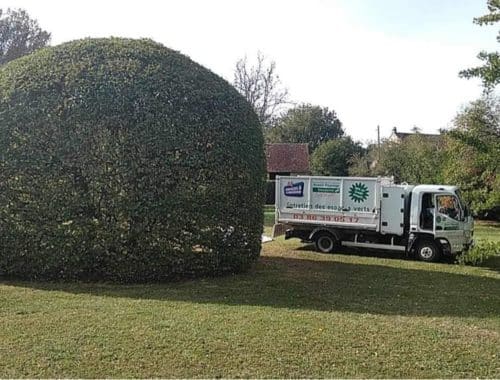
column 287, row 159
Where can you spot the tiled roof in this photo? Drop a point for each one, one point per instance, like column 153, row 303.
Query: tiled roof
column 403, row 135
column 283, row 158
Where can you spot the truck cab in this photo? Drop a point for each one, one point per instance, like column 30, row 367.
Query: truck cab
column 438, row 216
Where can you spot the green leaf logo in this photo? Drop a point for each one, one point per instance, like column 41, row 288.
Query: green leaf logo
column 358, row 192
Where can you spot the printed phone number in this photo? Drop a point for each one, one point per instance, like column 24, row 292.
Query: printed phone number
column 327, row 218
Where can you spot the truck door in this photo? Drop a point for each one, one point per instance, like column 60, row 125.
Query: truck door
column 447, row 220
column 392, row 210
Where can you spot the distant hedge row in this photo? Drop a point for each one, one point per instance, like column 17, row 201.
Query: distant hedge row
column 123, row 160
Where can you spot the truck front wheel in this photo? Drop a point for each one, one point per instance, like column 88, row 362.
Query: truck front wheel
column 324, row 242
column 428, row 251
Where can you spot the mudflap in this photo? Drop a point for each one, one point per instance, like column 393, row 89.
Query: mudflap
column 279, row 229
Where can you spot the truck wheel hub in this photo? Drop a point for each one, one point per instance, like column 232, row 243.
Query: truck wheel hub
column 426, row 252
column 325, row 243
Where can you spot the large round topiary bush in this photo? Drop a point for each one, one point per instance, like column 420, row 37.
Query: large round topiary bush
column 123, row 160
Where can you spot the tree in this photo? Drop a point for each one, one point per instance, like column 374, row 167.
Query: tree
column 306, row 124
column 361, row 164
column 416, row 159
column 19, row 35
column 473, row 153
column 333, row 157
column 261, row 87
column 489, row 73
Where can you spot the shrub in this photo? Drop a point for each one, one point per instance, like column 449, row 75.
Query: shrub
column 481, row 252
column 124, row 160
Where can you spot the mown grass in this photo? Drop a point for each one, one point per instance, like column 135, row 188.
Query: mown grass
column 486, row 230
column 269, row 217
column 296, row 314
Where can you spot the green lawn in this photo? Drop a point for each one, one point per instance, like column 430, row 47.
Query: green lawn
column 296, row 314
column 269, row 216
column 487, row 230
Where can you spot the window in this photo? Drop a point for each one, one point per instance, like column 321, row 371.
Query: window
column 449, row 206
column 427, row 214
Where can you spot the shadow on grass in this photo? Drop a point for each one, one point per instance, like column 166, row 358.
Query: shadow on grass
column 363, row 252
column 487, row 223
column 303, row 284
column 492, row 263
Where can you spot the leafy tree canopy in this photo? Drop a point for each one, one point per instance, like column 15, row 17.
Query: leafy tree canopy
column 306, row 124
column 333, row 157
column 489, row 72
column 414, row 158
column 473, row 160
column 19, row 35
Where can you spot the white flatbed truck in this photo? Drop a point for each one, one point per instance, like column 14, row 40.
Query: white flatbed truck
column 424, row 221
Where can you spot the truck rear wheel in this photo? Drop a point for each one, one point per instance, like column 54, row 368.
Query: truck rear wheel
column 324, row 242
column 428, row 251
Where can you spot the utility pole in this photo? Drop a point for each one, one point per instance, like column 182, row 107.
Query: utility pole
column 378, row 143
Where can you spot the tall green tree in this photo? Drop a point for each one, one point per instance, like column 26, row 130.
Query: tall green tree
column 306, row 124
column 489, row 72
column 417, row 159
column 473, row 154
column 333, row 157
column 19, row 35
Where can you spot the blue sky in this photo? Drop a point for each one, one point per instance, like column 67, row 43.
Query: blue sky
column 446, row 20
column 375, row 62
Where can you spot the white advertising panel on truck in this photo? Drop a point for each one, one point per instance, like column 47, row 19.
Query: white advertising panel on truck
column 331, row 200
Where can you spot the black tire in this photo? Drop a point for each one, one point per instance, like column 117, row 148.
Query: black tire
column 427, row 251
column 325, row 242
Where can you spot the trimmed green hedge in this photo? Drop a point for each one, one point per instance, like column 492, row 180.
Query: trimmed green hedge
column 123, row 160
